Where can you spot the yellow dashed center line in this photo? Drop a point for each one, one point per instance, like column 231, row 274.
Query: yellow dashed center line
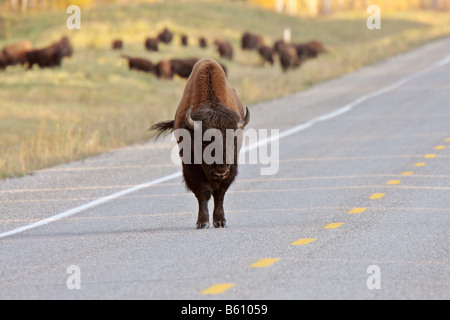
column 265, row 263
column 218, row 288
column 304, row 241
column 222, row 287
column 420, row 164
column 333, row 225
column 376, row 196
column 357, row 210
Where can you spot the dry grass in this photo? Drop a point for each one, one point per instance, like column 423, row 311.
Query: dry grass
column 93, row 103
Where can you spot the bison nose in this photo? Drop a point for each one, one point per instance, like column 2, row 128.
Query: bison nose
column 220, row 174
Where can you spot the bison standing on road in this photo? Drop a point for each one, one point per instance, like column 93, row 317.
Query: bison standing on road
column 208, row 102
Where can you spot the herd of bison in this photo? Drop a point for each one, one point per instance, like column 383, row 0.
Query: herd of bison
column 290, row 55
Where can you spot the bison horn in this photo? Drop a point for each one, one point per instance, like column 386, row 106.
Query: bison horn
column 189, row 122
column 244, row 122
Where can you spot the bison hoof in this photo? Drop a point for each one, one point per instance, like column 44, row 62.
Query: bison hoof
column 218, row 224
column 202, row 225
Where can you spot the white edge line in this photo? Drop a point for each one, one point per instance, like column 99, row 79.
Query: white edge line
column 283, row 134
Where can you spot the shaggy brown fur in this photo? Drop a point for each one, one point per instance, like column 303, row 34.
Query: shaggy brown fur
column 165, row 36
column 278, row 45
column 117, row 44
column 183, row 67
column 184, row 40
column 140, row 64
column 163, row 70
column 266, row 53
column 209, row 99
column 3, row 61
column 50, row 56
column 151, row 44
column 251, row 41
column 309, row 50
column 288, row 58
column 202, row 42
column 207, row 82
column 17, row 52
column 224, row 48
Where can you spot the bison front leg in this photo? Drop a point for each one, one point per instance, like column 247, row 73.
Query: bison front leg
column 203, row 214
column 219, row 214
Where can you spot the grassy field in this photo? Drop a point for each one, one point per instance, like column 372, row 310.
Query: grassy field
column 93, row 103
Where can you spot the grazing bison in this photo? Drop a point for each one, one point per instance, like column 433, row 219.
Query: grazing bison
column 316, row 48
column 16, row 53
column 117, row 44
column 266, row 53
column 208, row 102
column 165, row 36
column 65, row 46
column 45, row 58
column 184, row 40
column 224, row 48
column 151, row 44
column 163, row 70
column 202, row 42
column 278, row 45
column 288, row 57
column 251, row 41
column 50, row 56
column 140, row 64
column 309, row 50
column 184, row 67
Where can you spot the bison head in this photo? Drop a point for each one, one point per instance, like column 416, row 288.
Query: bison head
column 220, row 130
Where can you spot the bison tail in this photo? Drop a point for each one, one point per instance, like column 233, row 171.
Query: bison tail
column 163, row 127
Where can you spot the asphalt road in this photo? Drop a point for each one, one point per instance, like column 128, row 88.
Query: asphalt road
column 359, row 208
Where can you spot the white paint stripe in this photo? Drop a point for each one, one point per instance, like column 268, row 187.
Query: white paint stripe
column 282, row 135
column 89, row 205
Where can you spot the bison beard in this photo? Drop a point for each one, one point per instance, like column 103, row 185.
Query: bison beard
column 206, row 180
